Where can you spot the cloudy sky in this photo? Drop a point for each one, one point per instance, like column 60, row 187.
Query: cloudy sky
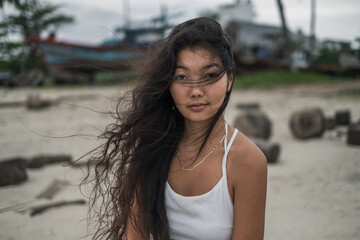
column 95, row 19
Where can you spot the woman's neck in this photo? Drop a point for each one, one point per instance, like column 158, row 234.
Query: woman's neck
column 195, row 132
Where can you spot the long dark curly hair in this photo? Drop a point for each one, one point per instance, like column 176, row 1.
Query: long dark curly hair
column 134, row 160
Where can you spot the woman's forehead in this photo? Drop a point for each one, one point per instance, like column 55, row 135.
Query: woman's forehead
column 197, row 57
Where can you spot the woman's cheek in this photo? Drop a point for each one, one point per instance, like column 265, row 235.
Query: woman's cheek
column 218, row 91
column 177, row 93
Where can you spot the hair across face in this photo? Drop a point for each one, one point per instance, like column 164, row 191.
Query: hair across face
column 201, row 33
column 199, row 85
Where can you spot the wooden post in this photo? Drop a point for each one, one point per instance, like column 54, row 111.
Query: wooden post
column 253, row 123
column 12, row 171
column 270, row 150
column 307, row 123
column 353, row 134
column 287, row 44
column 343, row 117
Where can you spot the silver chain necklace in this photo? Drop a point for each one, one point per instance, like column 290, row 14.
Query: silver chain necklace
column 192, row 168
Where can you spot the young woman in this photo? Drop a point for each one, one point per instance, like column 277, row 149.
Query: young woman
column 171, row 167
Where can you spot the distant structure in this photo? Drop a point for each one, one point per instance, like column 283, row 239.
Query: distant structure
column 239, row 11
column 260, row 45
column 335, row 45
column 249, row 37
column 143, row 33
column 262, row 41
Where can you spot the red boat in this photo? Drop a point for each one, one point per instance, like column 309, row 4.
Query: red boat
column 71, row 63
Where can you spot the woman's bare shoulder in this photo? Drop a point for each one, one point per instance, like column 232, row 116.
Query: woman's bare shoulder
column 245, row 158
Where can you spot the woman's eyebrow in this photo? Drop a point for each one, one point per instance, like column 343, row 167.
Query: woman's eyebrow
column 203, row 68
column 211, row 65
column 181, row 66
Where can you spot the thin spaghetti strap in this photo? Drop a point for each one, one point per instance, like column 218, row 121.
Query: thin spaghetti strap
column 223, row 164
column 231, row 140
column 226, row 134
column 227, row 149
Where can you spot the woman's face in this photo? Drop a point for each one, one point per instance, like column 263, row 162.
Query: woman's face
column 198, row 100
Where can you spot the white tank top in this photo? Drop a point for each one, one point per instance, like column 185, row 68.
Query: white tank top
column 207, row 216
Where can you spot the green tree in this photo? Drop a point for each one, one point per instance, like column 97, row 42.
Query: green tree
column 30, row 18
column 330, row 56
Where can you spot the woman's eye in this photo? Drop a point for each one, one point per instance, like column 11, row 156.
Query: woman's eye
column 211, row 75
column 180, row 77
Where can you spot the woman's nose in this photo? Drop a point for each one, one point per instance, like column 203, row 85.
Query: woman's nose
column 196, row 91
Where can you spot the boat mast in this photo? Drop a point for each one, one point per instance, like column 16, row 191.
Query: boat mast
column 126, row 13
column 312, row 26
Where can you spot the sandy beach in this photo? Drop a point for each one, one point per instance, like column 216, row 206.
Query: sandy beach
column 313, row 189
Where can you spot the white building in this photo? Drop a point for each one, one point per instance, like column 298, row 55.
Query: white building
column 239, row 11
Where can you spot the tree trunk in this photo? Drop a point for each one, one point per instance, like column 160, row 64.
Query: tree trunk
column 287, row 44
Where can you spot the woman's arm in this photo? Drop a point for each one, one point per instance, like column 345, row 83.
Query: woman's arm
column 248, row 176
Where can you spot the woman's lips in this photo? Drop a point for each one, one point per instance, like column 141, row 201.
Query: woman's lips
column 197, row 106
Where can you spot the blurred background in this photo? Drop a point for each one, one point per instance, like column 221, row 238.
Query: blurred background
column 64, row 63
column 63, row 41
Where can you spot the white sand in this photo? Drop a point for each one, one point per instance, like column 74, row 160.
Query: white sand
column 313, row 191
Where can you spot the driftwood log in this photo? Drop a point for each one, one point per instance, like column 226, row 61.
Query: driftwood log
column 48, row 193
column 41, row 160
column 251, row 105
column 330, row 123
column 253, row 123
column 353, row 134
column 311, row 122
column 343, row 117
column 54, row 187
column 270, row 150
column 35, row 102
column 89, row 162
column 307, row 123
column 45, row 207
column 12, row 171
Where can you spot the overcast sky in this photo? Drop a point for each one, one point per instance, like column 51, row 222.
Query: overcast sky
column 95, row 19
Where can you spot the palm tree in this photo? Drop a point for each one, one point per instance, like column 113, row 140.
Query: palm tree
column 32, row 18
